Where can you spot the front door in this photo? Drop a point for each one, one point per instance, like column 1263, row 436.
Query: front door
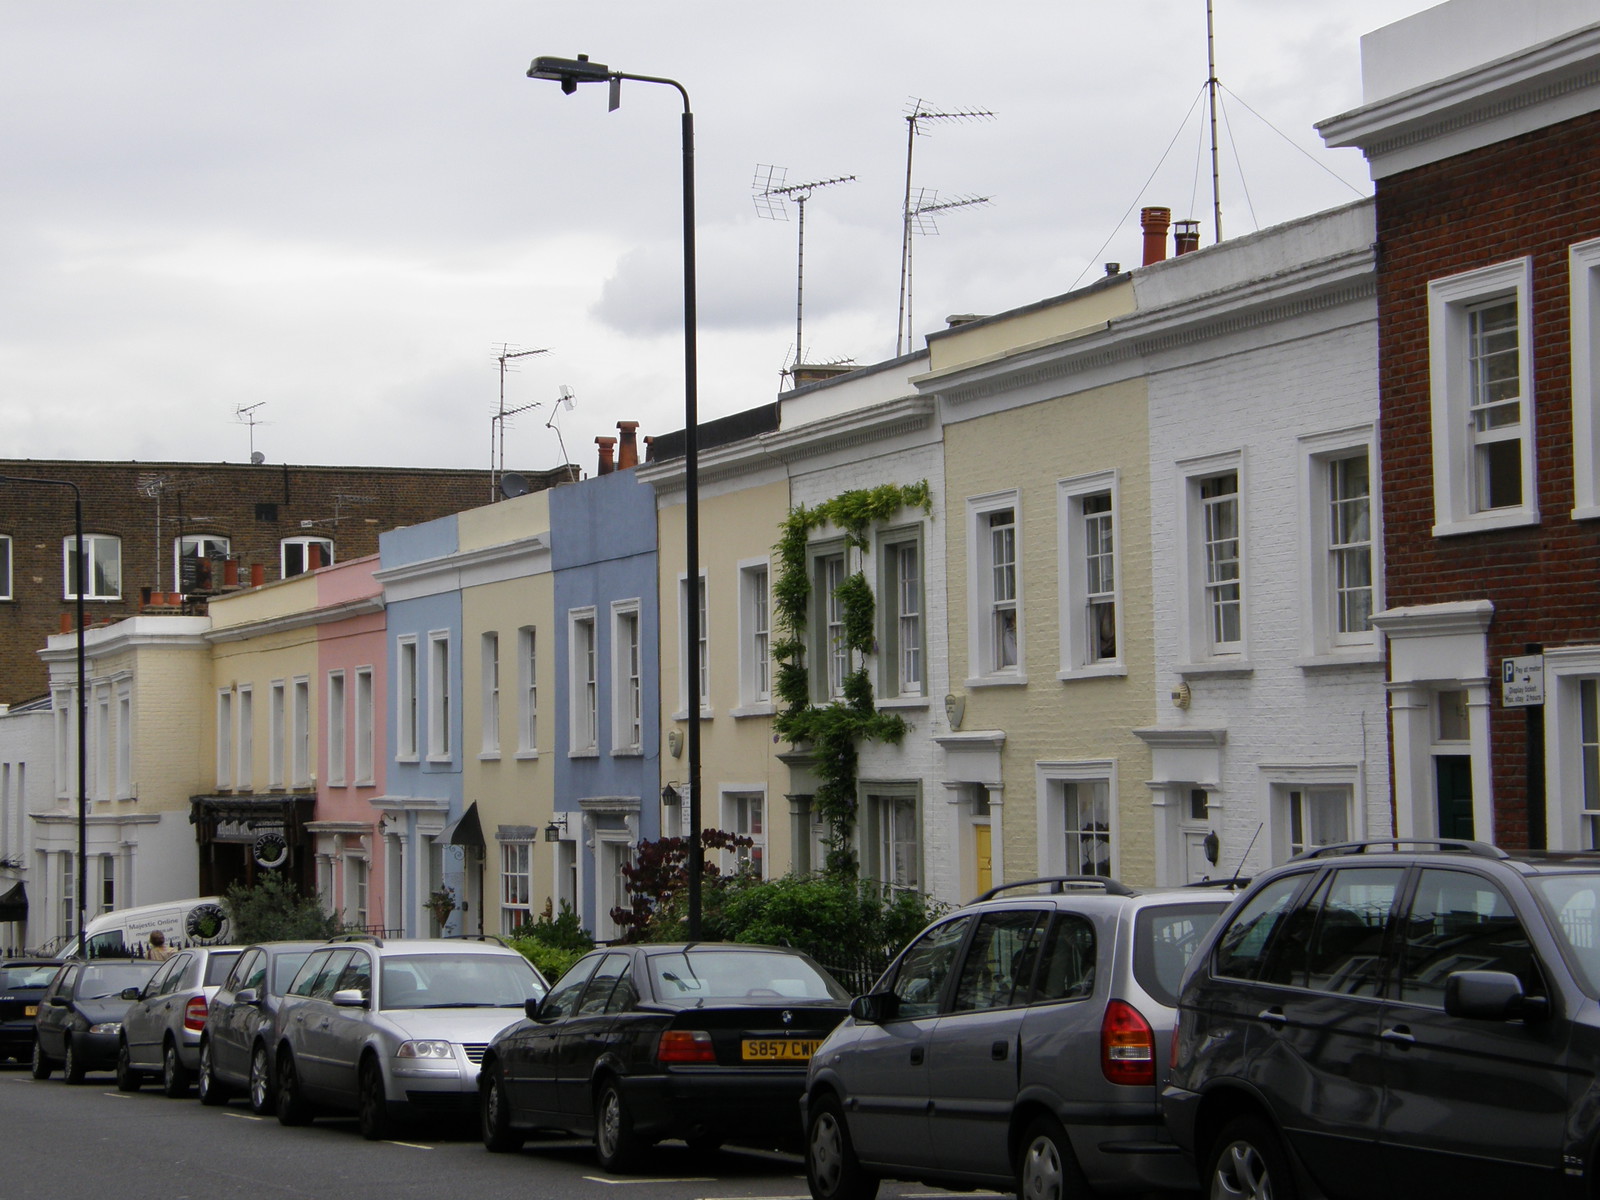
column 1452, row 784
column 983, row 856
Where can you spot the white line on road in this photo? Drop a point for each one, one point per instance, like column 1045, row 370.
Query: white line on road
column 669, row 1179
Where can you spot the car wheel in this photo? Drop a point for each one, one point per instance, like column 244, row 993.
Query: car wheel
column 211, row 1091
column 373, row 1112
column 615, row 1143
column 495, row 1111
column 175, row 1077
column 1248, row 1162
column 292, row 1107
column 261, row 1098
column 832, row 1169
column 41, row 1065
column 73, row 1068
column 1046, row 1166
column 128, row 1080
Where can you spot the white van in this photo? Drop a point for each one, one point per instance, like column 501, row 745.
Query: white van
column 199, row 922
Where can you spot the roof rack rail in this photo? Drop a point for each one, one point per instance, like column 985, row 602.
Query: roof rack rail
column 1237, row 882
column 475, row 937
column 1058, row 885
column 373, row 938
column 1450, row 845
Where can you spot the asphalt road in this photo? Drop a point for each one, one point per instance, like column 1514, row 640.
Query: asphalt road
column 92, row 1142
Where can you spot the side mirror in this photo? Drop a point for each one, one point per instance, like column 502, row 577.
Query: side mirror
column 248, row 996
column 1491, row 996
column 875, row 1007
column 349, row 998
column 58, row 1002
column 530, row 1006
column 128, row 993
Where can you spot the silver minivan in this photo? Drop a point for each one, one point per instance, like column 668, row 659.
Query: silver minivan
column 1017, row 1044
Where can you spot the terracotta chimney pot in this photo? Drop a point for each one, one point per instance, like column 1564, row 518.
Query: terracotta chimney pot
column 1156, row 222
column 606, row 444
column 628, row 451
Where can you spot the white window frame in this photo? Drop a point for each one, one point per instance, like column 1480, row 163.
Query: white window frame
column 755, row 637
column 303, row 545
column 208, row 546
column 739, row 805
column 334, row 770
column 101, row 743
column 903, row 618
column 357, row 889
column 516, row 863
column 441, row 747
column 301, row 726
column 1450, row 302
column 1583, row 263
column 64, row 705
column 96, row 547
column 528, row 692
column 245, row 743
column 702, row 653
column 1080, row 657
column 1284, row 782
column 983, row 603
column 225, row 738
column 1567, row 671
column 627, row 678
column 277, row 734
column 829, row 658
column 1199, row 591
column 489, row 650
column 122, row 773
column 7, row 566
column 1322, row 637
column 583, row 706
column 876, row 843
column 1051, row 781
column 366, row 726
column 407, row 699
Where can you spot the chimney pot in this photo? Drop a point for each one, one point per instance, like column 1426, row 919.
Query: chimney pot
column 1156, row 222
column 628, row 451
column 1113, row 268
column 605, row 444
column 1186, row 235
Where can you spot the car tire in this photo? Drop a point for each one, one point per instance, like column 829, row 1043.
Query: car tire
column 175, row 1077
column 832, row 1170
column 73, row 1068
column 128, row 1080
column 616, row 1144
column 211, row 1091
column 1248, row 1162
column 41, row 1064
column 262, row 1097
column 372, row 1111
column 292, row 1106
column 494, row 1109
column 1046, row 1167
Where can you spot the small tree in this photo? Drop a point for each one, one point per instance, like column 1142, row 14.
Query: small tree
column 272, row 910
column 658, row 879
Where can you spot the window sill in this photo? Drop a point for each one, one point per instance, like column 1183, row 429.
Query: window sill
column 586, row 752
column 764, row 708
column 527, row 756
column 489, row 756
column 916, row 702
column 1589, row 512
column 628, row 752
column 683, row 714
column 366, row 783
column 984, row 681
column 1354, row 656
column 407, row 758
column 1509, row 518
column 1216, row 667
column 1098, row 671
column 443, row 760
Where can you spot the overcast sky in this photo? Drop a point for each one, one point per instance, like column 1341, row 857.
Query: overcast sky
column 332, row 216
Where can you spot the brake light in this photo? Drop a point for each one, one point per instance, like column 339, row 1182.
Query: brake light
column 685, row 1046
column 1127, row 1045
column 194, row 1014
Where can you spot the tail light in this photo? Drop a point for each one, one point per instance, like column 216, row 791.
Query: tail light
column 685, row 1046
column 194, row 1014
column 1127, row 1045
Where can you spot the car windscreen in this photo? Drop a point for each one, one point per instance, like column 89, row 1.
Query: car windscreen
column 1165, row 938
column 719, row 976
column 1574, row 901
column 218, row 964
column 100, row 980
column 284, row 968
column 462, row 980
column 27, row 975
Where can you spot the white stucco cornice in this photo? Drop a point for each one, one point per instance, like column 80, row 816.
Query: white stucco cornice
column 1529, row 89
column 298, row 620
column 467, row 568
column 1183, row 738
column 1470, row 617
column 133, row 633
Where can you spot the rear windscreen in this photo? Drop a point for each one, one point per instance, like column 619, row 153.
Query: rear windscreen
column 1165, row 938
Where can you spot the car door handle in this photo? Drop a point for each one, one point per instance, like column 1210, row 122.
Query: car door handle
column 916, row 1056
column 1272, row 1016
column 999, row 1050
column 1400, row 1035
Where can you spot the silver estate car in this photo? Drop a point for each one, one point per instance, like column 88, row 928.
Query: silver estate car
column 1017, row 1043
column 395, row 1029
column 161, row 1031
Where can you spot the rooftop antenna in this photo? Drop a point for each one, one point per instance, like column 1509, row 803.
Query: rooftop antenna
column 246, row 414
column 497, row 425
column 563, row 400
column 922, row 221
column 1211, row 87
column 921, row 114
column 151, row 487
column 770, row 194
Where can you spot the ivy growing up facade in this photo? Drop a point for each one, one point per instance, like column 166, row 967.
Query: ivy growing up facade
column 834, row 730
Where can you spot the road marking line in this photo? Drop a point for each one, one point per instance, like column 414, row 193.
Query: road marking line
column 667, row 1179
column 238, row 1116
column 411, row 1145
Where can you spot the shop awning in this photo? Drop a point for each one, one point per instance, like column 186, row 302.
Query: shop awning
column 465, row 830
column 14, row 903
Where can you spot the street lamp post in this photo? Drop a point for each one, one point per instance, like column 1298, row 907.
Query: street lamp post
column 83, row 699
column 570, row 72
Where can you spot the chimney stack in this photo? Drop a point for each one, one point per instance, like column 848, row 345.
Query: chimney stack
column 1186, row 234
column 605, row 444
column 1155, row 221
column 628, row 451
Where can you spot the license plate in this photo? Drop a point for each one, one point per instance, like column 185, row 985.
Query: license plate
column 780, row 1049
column 30, row 1010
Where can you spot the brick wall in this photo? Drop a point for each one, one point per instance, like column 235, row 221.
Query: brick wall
column 1531, row 196
column 254, row 506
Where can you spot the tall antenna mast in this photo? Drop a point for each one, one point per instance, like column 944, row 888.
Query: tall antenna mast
column 770, row 193
column 497, row 425
column 1211, row 86
column 915, row 119
column 922, row 222
column 247, row 414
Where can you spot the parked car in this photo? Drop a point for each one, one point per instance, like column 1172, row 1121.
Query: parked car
column 79, row 1025
column 236, row 1046
column 706, row 1041
column 22, row 983
column 162, row 1027
column 1397, row 1018
column 1015, row 1044
column 393, row 1029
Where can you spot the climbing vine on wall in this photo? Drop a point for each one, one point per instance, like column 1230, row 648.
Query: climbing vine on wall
column 834, row 730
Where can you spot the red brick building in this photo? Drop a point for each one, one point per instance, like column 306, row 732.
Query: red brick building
column 163, row 535
column 1481, row 125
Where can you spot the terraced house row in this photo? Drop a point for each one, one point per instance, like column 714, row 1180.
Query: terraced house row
column 1170, row 576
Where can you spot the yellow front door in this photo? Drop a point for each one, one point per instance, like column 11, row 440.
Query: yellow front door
column 983, row 858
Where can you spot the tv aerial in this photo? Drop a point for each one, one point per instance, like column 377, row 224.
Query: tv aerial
column 921, row 217
column 245, row 414
column 770, row 193
column 497, row 424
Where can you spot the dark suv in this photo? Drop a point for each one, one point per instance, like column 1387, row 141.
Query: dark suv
column 1396, row 1018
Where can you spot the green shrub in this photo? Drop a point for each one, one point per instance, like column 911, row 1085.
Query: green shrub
column 563, row 931
column 273, row 910
column 553, row 961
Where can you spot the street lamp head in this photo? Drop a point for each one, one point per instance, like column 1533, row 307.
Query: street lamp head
column 569, row 72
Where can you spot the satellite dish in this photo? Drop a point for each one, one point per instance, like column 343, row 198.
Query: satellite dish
column 257, row 458
column 512, row 485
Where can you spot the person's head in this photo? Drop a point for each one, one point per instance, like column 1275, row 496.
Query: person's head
column 157, row 938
